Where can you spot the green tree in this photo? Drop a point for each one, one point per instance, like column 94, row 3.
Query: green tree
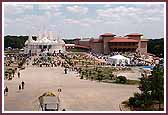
column 156, row 46
column 15, row 41
column 157, row 85
column 100, row 75
column 152, row 90
column 111, row 75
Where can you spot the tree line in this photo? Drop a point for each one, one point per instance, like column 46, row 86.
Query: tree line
column 156, row 46
column 16, row 41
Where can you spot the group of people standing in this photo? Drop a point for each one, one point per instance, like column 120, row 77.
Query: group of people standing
column 21, row 86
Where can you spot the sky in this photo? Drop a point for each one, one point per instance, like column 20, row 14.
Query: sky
column 84, row 20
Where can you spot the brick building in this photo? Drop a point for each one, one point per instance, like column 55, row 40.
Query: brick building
column 108, row 42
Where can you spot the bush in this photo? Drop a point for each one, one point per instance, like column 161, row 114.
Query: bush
column 81, row 77
column 132, row 82
column 131, row 101
column 111, row 76
column 136, row 102
column 121, row 79
column 139, row 103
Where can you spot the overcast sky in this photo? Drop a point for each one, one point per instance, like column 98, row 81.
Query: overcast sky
column 84, row 20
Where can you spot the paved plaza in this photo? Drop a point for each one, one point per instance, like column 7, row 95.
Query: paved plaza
column 76, row 95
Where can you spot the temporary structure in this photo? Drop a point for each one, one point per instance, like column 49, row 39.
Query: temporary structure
column 118, row 60
column 49, row 101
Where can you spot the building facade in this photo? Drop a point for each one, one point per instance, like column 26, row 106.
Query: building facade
column 44, row 42
column 108, row 42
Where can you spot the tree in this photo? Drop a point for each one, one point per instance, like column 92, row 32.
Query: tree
column 100, row 75
column 152, row 90
column 15, row 41
column 156, row 46
column 157, row 85
column 111, row 75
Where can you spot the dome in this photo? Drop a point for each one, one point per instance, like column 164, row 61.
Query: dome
column 44, row 40
column 26, row 42
column 30, row 41
column 60, row 41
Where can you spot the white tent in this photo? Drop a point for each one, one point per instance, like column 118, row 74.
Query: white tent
column 118, row 60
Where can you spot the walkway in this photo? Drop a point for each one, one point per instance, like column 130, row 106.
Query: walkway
column 76, row 95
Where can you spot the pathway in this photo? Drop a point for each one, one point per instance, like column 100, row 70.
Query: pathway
column 76, row 95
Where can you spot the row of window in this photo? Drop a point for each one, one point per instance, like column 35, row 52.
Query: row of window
column 123, row 49
column 124, row 44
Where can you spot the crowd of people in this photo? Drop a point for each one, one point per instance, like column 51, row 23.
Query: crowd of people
column 57, row 60
column 136, row 59
column 46, row 62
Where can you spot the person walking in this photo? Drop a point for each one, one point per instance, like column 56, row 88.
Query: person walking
column 65, row 70
column 18, row 74
column 20, row 87
column 6, row 90
column 23, row 84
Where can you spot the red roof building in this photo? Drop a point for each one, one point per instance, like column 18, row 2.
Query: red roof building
column 107, row 43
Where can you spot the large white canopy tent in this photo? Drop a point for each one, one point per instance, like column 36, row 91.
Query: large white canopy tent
column 118, row 60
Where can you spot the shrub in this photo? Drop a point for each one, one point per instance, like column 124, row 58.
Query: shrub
column 111, row 76
column 121, row 79
column 139, row 103
column 131, row 101
column 135, row 102
column 82, row 74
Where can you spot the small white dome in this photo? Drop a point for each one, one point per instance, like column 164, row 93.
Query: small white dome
column 26, row 42
column 62, row 42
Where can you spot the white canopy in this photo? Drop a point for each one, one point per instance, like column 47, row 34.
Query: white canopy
column 118, row 60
